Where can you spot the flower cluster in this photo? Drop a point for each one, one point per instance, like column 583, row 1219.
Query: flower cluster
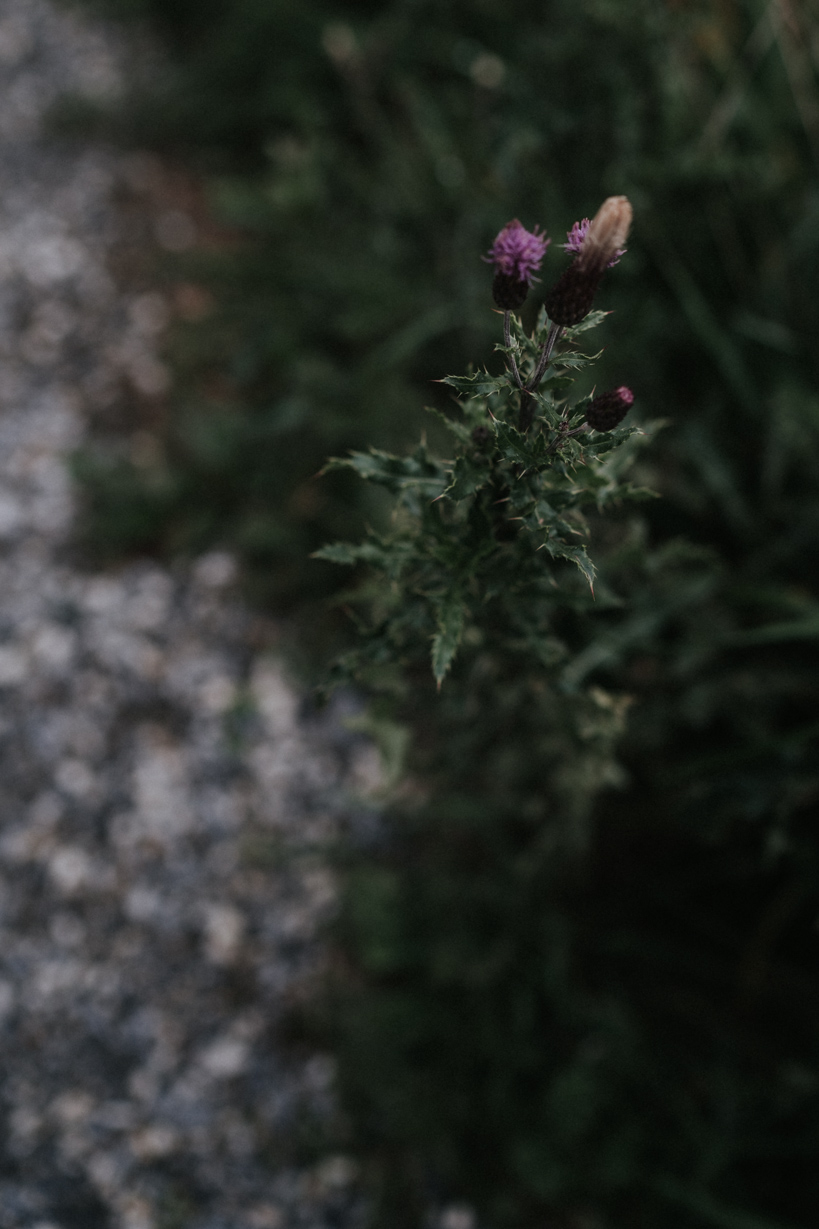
column 597, row 245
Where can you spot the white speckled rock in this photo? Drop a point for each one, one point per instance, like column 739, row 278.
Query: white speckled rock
column 146, row 952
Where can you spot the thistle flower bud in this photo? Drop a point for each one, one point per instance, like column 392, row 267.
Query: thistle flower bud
column 516, row 254
column 598, row 244
column 508, row 292
column 572, row 296
column 609, row 409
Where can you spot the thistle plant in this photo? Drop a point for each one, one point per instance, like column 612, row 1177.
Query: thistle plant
column 483, row 546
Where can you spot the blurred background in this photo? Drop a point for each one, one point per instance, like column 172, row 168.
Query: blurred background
column 625, row 1036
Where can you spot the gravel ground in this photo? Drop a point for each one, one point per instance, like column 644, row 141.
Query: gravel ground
column 163, row 802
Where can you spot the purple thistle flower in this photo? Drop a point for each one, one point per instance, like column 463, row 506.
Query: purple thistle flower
column 518, row 252
column 575, row 239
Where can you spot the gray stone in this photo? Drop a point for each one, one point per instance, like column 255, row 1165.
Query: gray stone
column 149, row 943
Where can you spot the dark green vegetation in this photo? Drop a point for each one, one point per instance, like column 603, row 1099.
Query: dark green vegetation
column 583, row 964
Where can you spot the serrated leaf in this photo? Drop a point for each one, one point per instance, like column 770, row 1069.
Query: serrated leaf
column 466, row 479
column 554, row 378
column 601, row 442
column 545, row 512
column 451, row 614
column 599, row 447
column 513, row 444
column 393, row 472
column 574, row 360
column 478, row 385
column 575, row 554
column 589, row 322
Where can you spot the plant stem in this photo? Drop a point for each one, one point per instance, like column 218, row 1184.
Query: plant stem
column 527, row 410
column 546, row 353
column 527, row 401
column 507, row 341
column 567, row 435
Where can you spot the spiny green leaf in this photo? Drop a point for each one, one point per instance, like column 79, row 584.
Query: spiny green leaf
column 589, row 322
column 575, row 554
column 466, row 479
column 451, row 614
column 574, row 360
column 603, row 442
column 478, row 385
column 395, row 473
column 555, row 379
column 514, row 445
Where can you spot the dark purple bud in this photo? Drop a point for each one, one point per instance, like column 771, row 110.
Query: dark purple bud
column 609, row 409
column 571, row 298
column 509, row 292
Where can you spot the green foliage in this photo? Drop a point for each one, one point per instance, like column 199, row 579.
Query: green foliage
column 465, row 557
column 600, row 982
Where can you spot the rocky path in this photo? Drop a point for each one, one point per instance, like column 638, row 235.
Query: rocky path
column 162, row 803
